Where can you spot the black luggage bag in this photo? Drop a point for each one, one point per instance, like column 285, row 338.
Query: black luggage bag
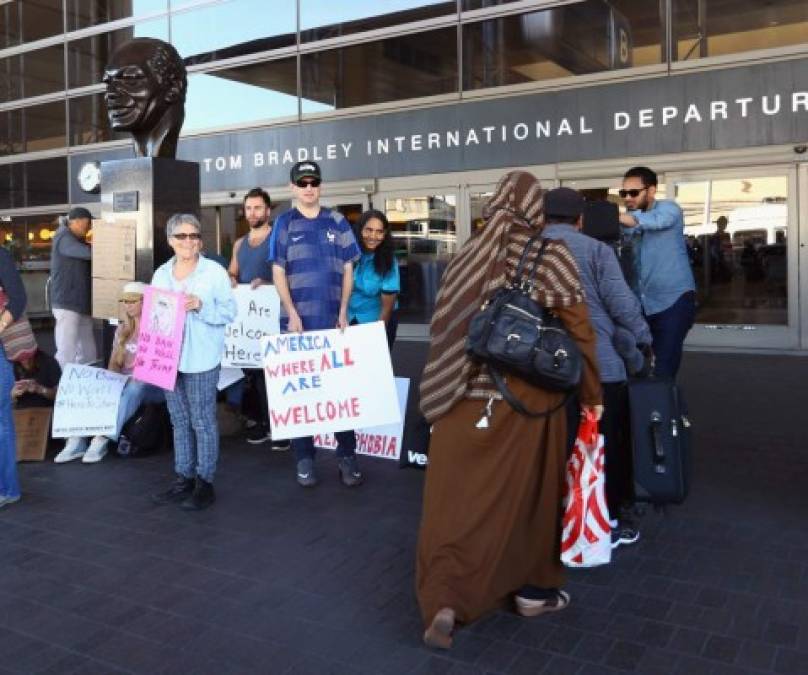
column 661, row 441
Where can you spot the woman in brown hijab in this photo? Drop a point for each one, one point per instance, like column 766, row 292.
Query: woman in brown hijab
column 491, row 523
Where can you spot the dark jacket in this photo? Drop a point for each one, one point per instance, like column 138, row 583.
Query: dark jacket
column 70, row 272
column 11, row 283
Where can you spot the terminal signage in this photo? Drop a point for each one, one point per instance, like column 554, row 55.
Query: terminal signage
column 764, row 104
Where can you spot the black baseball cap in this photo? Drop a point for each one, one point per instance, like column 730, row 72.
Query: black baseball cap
column 563, row 201
column 79, row 212
column 305, row 170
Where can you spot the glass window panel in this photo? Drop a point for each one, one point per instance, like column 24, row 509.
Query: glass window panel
column 576, row 39
column 39, row 127
column 731, row 27
column 33, row 183
column 32, row 73
column 86, row 13
column 241, row 95
column 89, row 122
column 425, row 234
column 468, row 5
column 87, row 58
column 322, row 19
column 737, row 231
column 230, row 29
column 421, row 64
column 25, row 21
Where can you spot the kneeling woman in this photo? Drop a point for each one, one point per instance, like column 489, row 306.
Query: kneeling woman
column 210, row 307
column 122, row 360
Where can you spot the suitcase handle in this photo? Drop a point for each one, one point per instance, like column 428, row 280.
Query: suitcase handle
column 659, row 448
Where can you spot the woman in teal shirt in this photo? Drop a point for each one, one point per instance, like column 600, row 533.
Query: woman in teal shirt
column 376, row 279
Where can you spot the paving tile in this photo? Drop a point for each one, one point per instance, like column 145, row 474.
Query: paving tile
column 625, row 655
column 790, row 662
column 719, row 648
column 757, row 655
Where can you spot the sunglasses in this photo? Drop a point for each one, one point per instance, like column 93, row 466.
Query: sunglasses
column 630, row 193
column 182, row 236
column 130, row 302
column 304, row 183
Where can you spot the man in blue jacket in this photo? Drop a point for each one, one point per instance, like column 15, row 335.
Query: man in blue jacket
column 665, row 283
column 619, row 326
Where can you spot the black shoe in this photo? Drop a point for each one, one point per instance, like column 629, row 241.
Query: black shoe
column 349, row 472
column 201, row 498
column 179, row 490
column 306, row 475
column 281, row 445
column 258, row 434
column 625, row 535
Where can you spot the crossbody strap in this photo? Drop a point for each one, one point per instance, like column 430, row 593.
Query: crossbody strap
column 515, row 403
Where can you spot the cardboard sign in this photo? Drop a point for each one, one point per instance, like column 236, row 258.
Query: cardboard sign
column 258, row 316
column 106, row 297
column 32, row 428
column 114, row 249
column 87, row 401
column 328, row 380
column 160, row 339
column 383, row 441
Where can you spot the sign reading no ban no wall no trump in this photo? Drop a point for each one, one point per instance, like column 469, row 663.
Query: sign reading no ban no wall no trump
column 326, row 381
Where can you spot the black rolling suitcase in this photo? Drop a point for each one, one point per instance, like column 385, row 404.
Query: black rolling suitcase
column 660, row 437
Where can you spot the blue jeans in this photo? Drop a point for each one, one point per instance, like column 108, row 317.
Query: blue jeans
column 192, row 406
column 133, row 394
column 9, row 485
column 669, row 329
column 304, row 447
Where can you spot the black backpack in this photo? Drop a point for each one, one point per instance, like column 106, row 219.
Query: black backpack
column 145, row 431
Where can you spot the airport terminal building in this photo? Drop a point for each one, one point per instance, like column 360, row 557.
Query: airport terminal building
column 418, row 107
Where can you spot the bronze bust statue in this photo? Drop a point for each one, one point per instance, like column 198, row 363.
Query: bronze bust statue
column 146, row 84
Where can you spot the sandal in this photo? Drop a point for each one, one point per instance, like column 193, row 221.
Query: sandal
column 528, row 607
column 439, row 633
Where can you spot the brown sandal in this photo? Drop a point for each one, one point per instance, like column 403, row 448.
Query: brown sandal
column 439, row 633
column 528, row 607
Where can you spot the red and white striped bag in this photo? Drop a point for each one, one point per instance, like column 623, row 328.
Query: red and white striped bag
column 586, row 539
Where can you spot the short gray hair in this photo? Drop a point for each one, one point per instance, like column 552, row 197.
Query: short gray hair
column 179, row 219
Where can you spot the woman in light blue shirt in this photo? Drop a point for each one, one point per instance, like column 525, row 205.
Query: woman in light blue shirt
column 376, row 279
column 210, row 306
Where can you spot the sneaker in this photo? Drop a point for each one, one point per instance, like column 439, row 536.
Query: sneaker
column 306, row 477
column 181, row 488
column 349, row 472
column 281, row 445
column 75, row 448
column 5, row 500
column 201, row 498
column 557, row 601
column 258, row 434
column 625, row 535
column 97, row 450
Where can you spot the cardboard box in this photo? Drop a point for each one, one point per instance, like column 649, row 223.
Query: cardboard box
column 32, row 427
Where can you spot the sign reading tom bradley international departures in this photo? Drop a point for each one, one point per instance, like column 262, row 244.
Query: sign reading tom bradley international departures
column 711, row 110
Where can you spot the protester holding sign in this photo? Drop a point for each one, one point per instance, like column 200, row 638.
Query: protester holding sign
column 250, row 265
column 491, row 524
column 376, row 279
column 192, row 404
column 11, row 283
column 313, row 252
column 122, row 360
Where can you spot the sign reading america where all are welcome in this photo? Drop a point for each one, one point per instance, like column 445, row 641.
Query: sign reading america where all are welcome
column 755, row 105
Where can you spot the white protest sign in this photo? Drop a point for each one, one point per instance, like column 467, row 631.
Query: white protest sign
column 328, row 380
column 258, row 315
column 228, row 376
column 383, row 441
column 87, row 401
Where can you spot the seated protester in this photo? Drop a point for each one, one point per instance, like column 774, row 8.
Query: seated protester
column 36, row 379
column 122, row 360
column 376, row 276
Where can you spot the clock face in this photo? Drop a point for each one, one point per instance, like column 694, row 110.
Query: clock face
column 90, row 177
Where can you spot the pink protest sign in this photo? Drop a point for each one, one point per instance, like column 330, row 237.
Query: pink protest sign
column 160, row 340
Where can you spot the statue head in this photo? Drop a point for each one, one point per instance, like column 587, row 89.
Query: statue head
column 146, row 85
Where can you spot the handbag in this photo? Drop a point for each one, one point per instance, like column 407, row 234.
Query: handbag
column 515, row 334
column 18, row 338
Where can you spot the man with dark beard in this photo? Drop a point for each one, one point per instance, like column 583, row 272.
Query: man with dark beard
column 249, row 266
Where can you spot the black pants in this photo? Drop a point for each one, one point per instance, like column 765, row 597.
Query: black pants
column 669, row 329
column 256, row 405
column 615, row 426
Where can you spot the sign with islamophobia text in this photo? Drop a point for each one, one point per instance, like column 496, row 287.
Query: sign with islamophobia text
column 258, row 316
column 159, row 342
column 87, row 401
column 329, row 380
column 383, row 441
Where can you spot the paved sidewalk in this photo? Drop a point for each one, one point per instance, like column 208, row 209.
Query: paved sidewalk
column 274, row 579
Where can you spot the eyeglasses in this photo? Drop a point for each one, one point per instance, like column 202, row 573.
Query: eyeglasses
column 182, row 236
column 304, row 183
column 630, row 193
